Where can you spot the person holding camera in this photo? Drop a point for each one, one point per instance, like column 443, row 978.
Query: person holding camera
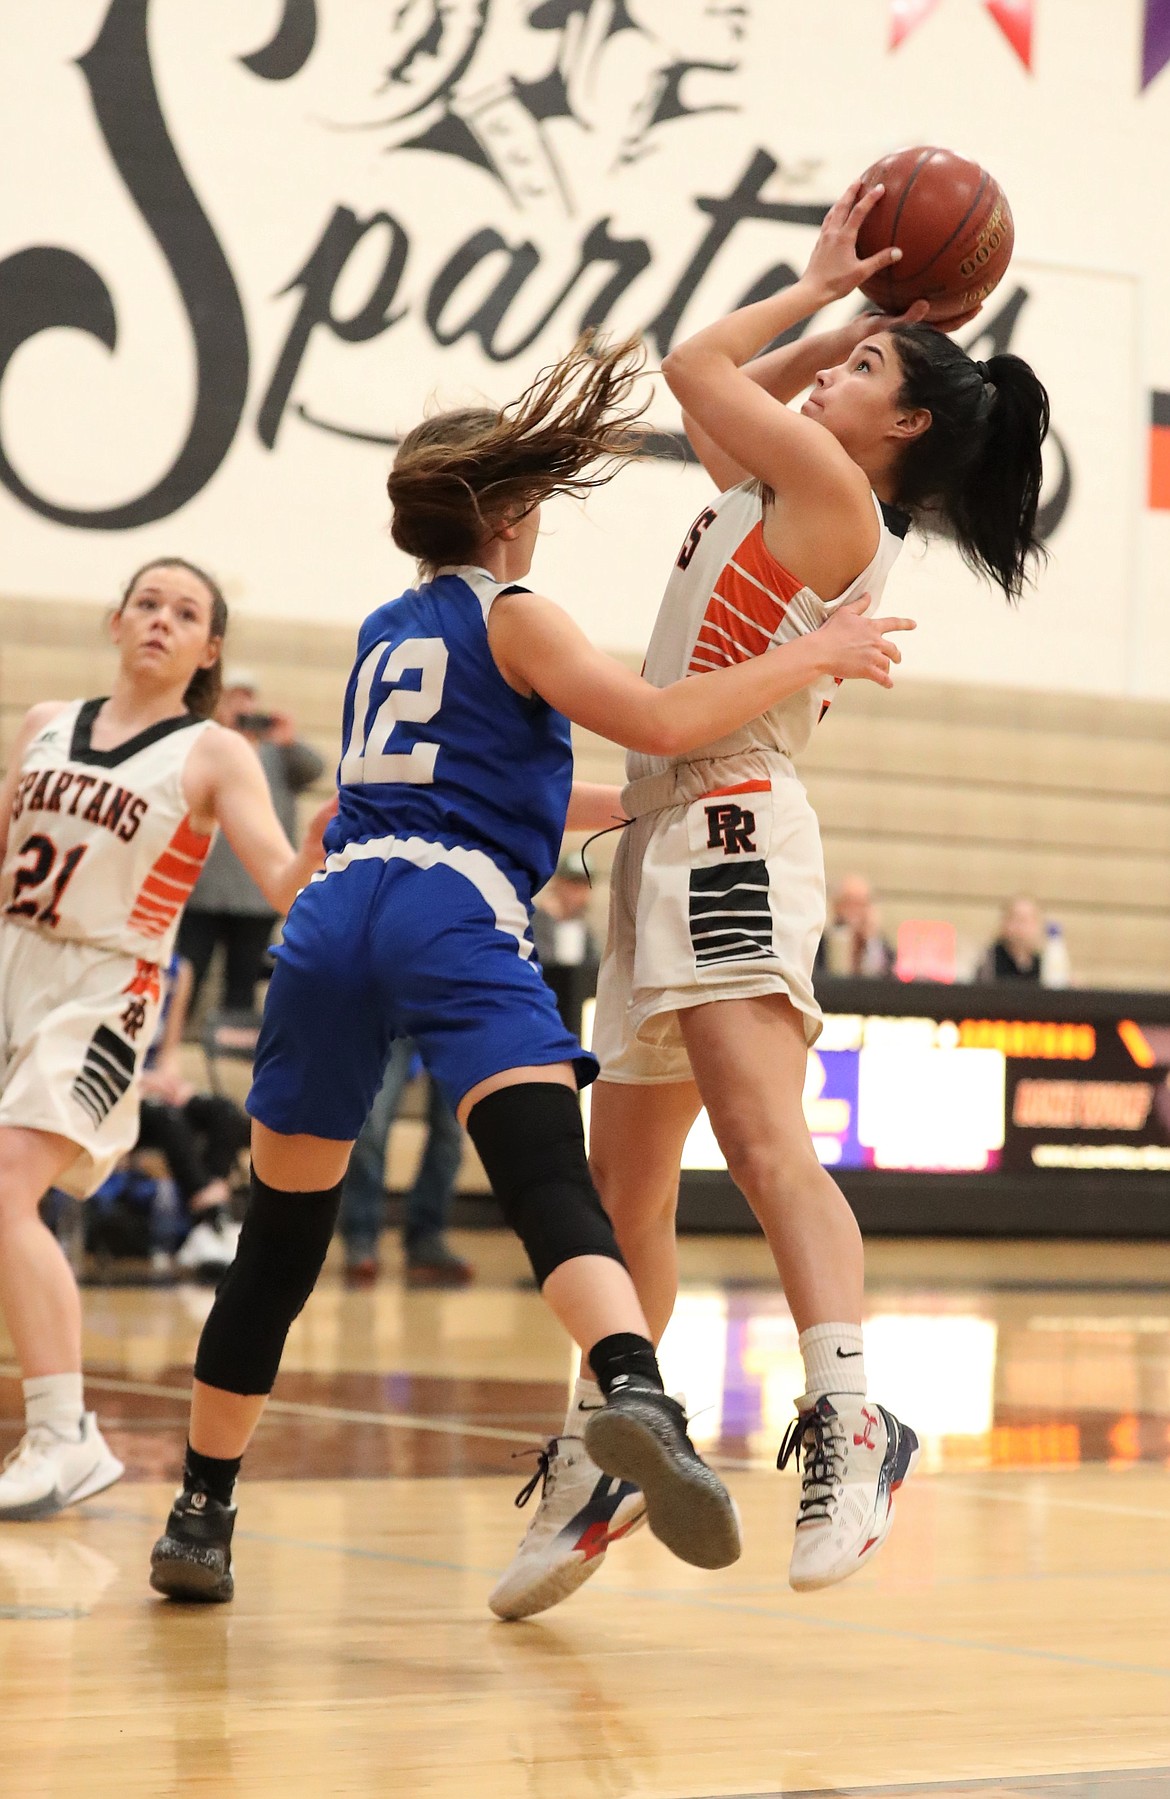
column 226, row 906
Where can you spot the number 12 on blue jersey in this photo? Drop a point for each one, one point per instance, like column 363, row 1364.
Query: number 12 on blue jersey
column 367, row 760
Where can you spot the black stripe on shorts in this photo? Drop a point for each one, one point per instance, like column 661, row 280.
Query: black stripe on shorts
column 730, row 917
column 105, row 1074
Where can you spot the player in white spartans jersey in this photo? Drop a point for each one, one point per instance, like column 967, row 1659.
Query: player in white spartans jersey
column 106, row 814
column 717, row 900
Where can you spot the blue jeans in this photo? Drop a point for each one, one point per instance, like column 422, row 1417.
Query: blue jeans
column 429, row 1200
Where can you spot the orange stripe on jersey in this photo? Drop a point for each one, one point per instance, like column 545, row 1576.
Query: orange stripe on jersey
column 146, row 979
column 171, row 892
column 148, row 927
column 726, row 637
column 151, row 909
column 741, row 590
column 720, row 793
column 169, row 882
column 751, row 597
column 178, row 869
column 187, row 842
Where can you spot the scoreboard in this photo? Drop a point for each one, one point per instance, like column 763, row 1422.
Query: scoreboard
column 979, row 1109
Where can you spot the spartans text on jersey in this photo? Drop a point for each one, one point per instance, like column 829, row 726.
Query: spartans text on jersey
column 54, row 790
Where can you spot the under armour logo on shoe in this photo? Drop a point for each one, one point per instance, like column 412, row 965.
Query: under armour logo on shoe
column 865, row 1440
column 198, row 1502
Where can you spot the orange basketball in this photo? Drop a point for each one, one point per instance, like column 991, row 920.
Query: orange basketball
column 952, row 223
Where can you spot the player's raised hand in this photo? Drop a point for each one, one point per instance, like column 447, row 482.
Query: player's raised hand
column 857, row 648
column 834, row 266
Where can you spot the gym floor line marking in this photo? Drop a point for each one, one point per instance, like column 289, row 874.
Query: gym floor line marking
column 1070, row 1781
column 294, row 1408
column 1067, row 1505
column 794, row 1613
column 456, row 1427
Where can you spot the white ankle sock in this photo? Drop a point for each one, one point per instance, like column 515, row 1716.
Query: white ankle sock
column 585, row 1398
column 834, row 1360
column 57, row 1400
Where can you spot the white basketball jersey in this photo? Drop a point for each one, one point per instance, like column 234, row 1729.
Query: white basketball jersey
column 728, row 599
column 100, row 847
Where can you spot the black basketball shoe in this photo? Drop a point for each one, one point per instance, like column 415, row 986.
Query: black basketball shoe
column 193, row 1557
column 640, row 1435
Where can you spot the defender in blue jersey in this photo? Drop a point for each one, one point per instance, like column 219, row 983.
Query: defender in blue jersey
column 455, row 786
column 453, row 792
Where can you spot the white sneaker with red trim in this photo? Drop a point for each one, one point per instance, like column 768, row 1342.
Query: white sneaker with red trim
column 581, row 1512
column 855, row 1457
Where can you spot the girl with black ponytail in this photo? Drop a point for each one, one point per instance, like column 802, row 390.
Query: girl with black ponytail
column 977, row 464
column 717, row 900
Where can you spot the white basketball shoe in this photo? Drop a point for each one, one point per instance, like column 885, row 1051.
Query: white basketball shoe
column 209, row 1246
column 46, row 1472
column 581, row 1512
column 855, row 1457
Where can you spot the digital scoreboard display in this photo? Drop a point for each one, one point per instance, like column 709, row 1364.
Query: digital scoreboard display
column 972, row 1089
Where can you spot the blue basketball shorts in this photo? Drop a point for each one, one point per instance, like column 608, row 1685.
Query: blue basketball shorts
column 434, row 947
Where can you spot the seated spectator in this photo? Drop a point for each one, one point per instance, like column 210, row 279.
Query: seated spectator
column 430, row 1260
column 853, row 943
column 1026, row 949
column 226, row 906
column 566, row 948
column 199, row 1136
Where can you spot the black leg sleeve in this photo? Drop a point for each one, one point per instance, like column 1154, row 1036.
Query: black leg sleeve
column 532, row 1145
column 281, row 1252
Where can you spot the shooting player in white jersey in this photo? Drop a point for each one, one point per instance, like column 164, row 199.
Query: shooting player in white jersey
column 106, row 814
column 717, row 902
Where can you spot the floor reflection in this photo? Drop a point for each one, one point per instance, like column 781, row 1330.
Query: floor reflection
column 1001, row 1356
column 989, row 1380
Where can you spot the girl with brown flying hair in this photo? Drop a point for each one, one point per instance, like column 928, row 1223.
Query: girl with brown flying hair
column 106, row 814
column 455, row 787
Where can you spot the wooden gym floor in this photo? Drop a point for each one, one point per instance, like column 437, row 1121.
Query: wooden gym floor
column 1013, row 1636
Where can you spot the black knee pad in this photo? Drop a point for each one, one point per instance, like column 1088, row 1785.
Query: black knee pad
column 282, row 1250
column 531, row 1143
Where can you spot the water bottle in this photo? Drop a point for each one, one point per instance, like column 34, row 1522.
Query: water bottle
column 167, row 1219
column 1055, row 970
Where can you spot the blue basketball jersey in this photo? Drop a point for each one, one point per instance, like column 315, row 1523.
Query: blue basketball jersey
column 437, row 745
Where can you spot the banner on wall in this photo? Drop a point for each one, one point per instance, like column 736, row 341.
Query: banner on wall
column 1159, row 488
column 1155, row 39
column 238, row 263
column 1014, row 18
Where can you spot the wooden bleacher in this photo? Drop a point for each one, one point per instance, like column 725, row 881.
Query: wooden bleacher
column 949, row 797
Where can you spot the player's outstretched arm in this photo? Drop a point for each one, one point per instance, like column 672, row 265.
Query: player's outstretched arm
column 786, row 372
column 791, row 454
column 225, row 785
column 594, row 807
column 539, row 649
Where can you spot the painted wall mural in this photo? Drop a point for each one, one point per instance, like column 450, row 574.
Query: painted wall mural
column 249, row 242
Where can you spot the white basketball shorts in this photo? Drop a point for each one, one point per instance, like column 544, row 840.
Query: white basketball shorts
column 75, row 1023
column 718, row 892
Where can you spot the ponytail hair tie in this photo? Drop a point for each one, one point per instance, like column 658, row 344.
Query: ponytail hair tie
column 983, row 372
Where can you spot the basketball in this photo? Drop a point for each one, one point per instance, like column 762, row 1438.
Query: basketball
column 951, row 220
